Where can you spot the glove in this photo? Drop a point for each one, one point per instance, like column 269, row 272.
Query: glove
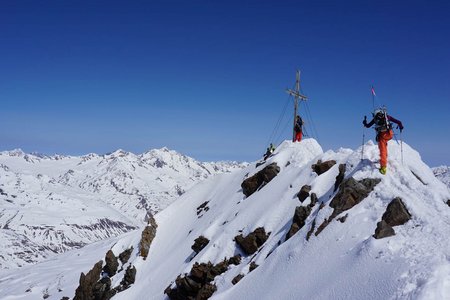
column 401, row 128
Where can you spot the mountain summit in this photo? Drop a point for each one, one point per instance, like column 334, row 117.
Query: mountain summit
column 305, row 224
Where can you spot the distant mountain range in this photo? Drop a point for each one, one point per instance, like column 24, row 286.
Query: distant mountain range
column 443, row 174
column 51, row 204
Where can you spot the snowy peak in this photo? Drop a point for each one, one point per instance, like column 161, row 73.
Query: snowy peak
column 443, row 174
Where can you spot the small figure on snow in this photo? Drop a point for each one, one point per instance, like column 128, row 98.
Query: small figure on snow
column 298, row 129
column 269, row 151
column 383, row 127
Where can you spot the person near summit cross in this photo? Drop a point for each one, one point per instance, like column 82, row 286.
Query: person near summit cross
column 383, row 127
column 298, row 129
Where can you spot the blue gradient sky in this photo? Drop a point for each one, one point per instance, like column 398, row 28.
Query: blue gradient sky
column 207, row 78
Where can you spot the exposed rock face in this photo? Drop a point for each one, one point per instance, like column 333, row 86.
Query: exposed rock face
column 128, row 278
column 102, row 289
column 199, row 244
column 304, row 193
column 300, row 216
column 340, row 176
column 237, row 278
column 314, row 200
column 448, row 202
column 252, row 184
column 351, row 192
column 112, row 264
column 85, row 289
column 383, row 230
column 148, row 235
column 197, row 285
column 253, row 241
column 321, row 167
column 253, row 266
column 396, row 214
column 125, row 255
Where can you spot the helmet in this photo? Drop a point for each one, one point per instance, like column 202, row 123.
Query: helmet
column 379, row 112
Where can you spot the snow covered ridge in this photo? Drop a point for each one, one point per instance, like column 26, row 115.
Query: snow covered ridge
column 51, row 204
column 443, row 174
column 306, row 231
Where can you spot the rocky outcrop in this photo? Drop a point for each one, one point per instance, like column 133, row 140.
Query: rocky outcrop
column 300, row 216
column 396, row 214
column 383, row 230
column 199, row 244
column 198, row 283
column 128, row 279
column 321, row 167
column 304, row 193
column 253, row 266
column 352, row 192
column 257, row 181
column 253, row 241
column 340, row 176
column 112, row 264
column 237, row 278
column 448, row 202
column 148, row 235
column 314, row 200
column 85, row 289
column 125, row 255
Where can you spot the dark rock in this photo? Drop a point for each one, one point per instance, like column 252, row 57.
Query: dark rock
column 87, row 282
column 65, row 298
column 252, row 184
column 237, row 278
column 293, row 230
column 352, row 192
column 314, row 200
column 448, row 202
column 125, row 255
column 311, row 230
column 148, row 235
column 340, row 176
column 343, row 219
column 300, row 216
column 304, row 193
column 253, row 266
column 322, row 205
column 112, row 264
column 235, row 260
column 253, row 241
column 206, row 291
column 321, row 167
column 199, row 244
column 129, row 277
column 322, row 227
column 396, row 213
column 101, row 289
column 383, row 230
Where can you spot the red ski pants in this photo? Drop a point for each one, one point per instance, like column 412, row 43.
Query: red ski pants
column 298, row 136
column 383, row 138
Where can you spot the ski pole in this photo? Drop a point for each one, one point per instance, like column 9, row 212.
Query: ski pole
column 364, row 135
column 401, row 145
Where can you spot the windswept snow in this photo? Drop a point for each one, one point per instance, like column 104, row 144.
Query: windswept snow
column 343, row 262
column 443, row 174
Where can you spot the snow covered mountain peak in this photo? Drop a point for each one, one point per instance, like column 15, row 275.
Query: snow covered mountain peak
column 305, row 230
column 95, row 196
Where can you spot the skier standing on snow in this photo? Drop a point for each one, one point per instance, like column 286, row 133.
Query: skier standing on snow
column 383, row 127
column 298, row 129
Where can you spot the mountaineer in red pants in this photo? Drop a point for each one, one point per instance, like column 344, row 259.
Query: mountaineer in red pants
column 384, row 131
column 298, row 129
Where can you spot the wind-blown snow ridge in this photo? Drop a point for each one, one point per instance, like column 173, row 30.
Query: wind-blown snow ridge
column 51, row 204
column 343, row 262
column 443, row 174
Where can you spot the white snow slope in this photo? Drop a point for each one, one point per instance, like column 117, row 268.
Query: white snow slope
column 50, row 204
column 443, row 174
column 343, row 262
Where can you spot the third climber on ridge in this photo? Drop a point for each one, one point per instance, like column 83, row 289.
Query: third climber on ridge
column 384, row 131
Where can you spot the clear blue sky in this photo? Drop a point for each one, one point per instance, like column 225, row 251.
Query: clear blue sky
column 207, row 78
